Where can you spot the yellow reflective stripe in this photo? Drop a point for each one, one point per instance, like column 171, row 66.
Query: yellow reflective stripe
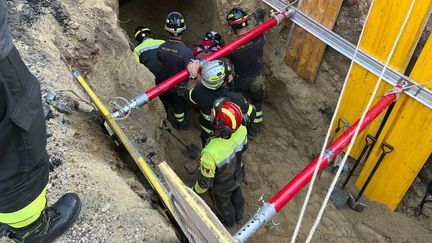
column 258, row 120
column 206, row 129
column 26, row 215
column 216, row 85
column 259, row 113
column 207, row 117
column 148, row 44
column 140, row 31
column 219, row 77
column 190, row 97
column 250, row 109
column 199, row 189
column 231, row 116
column 179, row 115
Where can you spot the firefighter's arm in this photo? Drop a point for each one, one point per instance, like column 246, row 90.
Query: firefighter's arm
column 136, row 57
column 193, row 69
column 206, row 174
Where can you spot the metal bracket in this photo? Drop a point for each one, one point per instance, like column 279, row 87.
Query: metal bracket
column 329, row 154
column 346, row 48
column 263, row 216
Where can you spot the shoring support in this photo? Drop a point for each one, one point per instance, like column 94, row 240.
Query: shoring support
column 138, row 158
column 346, row 48
column 161, row 88
column 266, row 213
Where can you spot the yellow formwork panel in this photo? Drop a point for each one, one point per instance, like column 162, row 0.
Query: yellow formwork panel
column 409, row 131
column 383, row 26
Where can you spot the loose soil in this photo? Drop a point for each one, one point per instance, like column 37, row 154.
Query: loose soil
column 55, row 37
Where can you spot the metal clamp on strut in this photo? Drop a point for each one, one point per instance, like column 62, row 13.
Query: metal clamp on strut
column 263, row 216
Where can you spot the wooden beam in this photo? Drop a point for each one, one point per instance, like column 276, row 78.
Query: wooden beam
column 305, row 52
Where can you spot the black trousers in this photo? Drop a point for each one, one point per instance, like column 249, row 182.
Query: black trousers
column 179, row 103
column 23, row 157
column 253, row 90
column 229, row 205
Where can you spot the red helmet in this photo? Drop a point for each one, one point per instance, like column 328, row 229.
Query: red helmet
column 227, row 117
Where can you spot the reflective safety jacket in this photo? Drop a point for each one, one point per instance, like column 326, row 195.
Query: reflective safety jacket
column 146, row 54
column 221, row 166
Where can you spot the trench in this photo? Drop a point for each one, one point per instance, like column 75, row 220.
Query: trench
column 267, row 169
column 294, row 124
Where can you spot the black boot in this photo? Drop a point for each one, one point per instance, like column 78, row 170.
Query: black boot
column 53, row 222
column 183, row 125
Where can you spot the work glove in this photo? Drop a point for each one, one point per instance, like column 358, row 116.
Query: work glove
column 259, row 15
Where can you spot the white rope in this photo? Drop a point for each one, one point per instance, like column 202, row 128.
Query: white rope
column 326, row 140
column 333, row 184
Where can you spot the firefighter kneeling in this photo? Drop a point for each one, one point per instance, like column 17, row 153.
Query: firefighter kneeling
column 221, row 167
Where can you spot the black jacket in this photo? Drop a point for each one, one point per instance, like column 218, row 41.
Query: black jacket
column 175, row 56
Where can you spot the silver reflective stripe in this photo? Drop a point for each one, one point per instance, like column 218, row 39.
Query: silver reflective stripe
column 233, row 154
column 140, row 51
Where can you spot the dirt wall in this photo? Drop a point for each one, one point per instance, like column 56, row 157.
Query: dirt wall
column 54, row 38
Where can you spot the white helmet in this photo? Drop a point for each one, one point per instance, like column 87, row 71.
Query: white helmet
column 214, row 74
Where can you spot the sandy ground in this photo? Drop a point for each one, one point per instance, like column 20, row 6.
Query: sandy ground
column 56, row 37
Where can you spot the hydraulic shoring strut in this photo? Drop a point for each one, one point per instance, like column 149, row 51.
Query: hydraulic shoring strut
column 161, row 88
column 269, row 209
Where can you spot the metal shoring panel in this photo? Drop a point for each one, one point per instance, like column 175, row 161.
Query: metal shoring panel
column 346, row 48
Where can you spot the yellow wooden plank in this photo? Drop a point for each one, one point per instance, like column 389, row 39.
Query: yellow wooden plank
column 305, row 52
column 384, row 23
column 409, row 130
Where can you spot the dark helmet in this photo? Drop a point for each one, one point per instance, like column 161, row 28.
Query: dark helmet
column 213, row 36
column 237, row 18
column 142, row 32
column 175, row 23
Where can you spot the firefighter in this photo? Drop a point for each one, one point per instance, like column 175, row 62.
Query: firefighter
column 24, row 163
column 146, row 54
column 248, row 63
column 216, row 80
column 212, row 42
column 221, row 162
column 175, row 56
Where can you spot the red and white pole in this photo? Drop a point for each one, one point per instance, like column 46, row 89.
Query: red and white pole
column 266, row 213
column 161, row 88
